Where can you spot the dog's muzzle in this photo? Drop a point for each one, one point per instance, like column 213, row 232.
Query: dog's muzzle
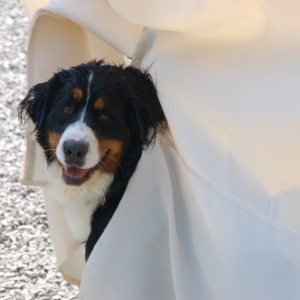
column 75, row 152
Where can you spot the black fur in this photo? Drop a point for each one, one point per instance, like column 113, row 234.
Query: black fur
column 135, row 114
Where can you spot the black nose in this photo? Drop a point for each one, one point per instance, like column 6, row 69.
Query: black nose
column 75, row 151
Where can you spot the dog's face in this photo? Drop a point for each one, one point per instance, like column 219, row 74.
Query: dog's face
column 86, row 127
column 88, row 117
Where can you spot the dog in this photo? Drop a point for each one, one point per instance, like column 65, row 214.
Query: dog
column 93, row 121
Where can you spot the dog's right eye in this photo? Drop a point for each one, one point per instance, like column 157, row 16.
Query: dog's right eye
column 67, row 109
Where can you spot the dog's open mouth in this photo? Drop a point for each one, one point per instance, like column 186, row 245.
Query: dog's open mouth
column 75, row 176
column 74, row 172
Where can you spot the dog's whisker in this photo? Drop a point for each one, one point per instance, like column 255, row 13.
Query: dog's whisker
column 52, row 157
column 48, row 150
column 105, row 166
column 114, row 160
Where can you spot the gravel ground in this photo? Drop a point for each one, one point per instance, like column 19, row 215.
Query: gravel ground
column 27, row 262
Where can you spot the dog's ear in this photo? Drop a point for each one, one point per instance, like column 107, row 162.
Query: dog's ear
column 37, row 102
column 147, row 113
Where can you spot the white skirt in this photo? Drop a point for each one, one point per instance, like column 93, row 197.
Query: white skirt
column 213, row 210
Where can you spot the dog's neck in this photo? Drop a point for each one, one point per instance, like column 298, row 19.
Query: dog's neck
column 80, row 202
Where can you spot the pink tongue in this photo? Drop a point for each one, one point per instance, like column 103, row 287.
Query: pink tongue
column 75, row 172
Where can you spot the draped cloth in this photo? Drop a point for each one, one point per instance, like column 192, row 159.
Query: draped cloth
column 213, row 209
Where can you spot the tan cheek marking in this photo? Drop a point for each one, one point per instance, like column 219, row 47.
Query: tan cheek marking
column 99, row 104
column 53, row 140
column 77, row 94
column 111, row 163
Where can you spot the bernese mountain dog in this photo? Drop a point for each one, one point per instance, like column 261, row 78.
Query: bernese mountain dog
column 93, row 121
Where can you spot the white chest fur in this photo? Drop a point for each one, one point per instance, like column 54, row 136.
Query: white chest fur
column 79, row 201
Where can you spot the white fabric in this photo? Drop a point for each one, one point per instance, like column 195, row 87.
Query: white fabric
column 213, row 212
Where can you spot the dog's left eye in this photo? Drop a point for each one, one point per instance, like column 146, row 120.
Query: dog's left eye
column 103, row 117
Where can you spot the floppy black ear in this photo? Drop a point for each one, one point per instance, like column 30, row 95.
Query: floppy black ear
column 145, row 105
column 37, row 102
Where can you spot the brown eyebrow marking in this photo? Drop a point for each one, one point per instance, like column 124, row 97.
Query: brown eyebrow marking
column 77, row 94
column 99, row 104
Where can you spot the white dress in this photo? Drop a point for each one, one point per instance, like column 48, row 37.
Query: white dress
column 212, row 212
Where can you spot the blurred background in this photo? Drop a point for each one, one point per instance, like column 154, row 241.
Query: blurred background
column 27, row 264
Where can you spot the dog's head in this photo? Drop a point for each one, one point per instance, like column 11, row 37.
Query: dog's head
column 88, row 117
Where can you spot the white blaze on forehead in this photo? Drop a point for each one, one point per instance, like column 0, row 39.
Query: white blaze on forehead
column 88, row 93
column 80, row 131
